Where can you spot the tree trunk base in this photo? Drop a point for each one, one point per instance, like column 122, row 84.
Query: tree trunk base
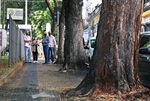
column 64, row 68
column 137, row 93
column 58, row 61
column 140, row 94
column 80, row 65
column 96, row 94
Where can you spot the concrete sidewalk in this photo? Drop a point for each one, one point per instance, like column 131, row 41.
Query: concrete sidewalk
column 43, row 81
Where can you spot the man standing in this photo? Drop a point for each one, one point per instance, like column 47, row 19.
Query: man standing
column 27, row 41
column 52, row 45
column 45, row 43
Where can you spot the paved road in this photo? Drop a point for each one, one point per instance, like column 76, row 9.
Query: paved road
column 38, row 82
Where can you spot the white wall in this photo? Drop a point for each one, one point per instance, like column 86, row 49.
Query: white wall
column 4, row 39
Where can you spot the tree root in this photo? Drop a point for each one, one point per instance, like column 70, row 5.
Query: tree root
column 85, row 88
column 140, row 93
column 137, row 93
column 96, row 94
column 64, row 68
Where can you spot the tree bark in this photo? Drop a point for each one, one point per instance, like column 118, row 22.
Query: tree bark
column 114, row 67
column 60, row 59
column 73, row 46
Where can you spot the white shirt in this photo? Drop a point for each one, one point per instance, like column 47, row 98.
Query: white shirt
column 52, row 41
column 28, row 38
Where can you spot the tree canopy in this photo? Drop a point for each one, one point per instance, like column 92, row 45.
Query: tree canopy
column 38, row 18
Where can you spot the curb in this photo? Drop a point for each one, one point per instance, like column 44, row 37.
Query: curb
column 7, row 77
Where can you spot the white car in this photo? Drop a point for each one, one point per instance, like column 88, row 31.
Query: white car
column 90, row 47
column 85, row 38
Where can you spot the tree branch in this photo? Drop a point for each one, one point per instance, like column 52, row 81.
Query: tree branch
column 56, row 3
column 49, row 7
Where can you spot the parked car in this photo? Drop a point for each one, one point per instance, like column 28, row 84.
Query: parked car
column 90, row 47
column 148, row 32
column 144, row 59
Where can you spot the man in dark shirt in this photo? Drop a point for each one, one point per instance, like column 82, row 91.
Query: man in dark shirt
column 45, row 43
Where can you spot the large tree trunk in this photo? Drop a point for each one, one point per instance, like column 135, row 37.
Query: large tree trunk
column 115, row 61
column 73, row 47
column 60, row 59
column 53, row 29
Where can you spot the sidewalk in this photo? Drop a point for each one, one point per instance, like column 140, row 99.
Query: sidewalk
column 43, row 81
column 51, row 77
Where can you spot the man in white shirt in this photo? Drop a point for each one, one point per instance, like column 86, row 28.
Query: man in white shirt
column 27, row 42
column 52, row 45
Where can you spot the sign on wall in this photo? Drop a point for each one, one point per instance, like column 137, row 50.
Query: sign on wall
column 16, row 14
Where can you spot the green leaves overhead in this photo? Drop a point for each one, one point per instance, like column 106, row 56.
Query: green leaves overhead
column 38, row 18
column 37, row 10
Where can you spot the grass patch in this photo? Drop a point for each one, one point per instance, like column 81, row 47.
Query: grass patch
column 4, row 59
column 3, row 70
column 4, row 67
column 3, row 62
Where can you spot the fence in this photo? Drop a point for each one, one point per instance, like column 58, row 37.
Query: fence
column 16, row 43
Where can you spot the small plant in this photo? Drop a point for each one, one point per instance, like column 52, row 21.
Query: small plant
column 4, row 64
column 3, row 70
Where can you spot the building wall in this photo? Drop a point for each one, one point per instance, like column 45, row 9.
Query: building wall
column 86, row 10
column 3, row 39
column 94, row 19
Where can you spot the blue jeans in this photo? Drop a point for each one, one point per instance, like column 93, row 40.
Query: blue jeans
column 27, row 54
column 51, row 53
column 45, row 49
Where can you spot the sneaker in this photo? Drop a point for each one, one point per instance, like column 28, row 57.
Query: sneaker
column 36, row 61
column 33, row 61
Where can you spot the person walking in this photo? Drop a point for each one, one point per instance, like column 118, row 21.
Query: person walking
column 52, row 45
column 34, row 48
column 45, row 43
column 27, row 41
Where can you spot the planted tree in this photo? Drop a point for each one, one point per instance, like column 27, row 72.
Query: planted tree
column 73, row 46
column 60, row 59
column 114, row 67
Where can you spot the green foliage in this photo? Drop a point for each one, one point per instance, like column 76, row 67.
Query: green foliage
column 39, row 16
column 4, row 59
column 38, row 21
column 3, row 70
